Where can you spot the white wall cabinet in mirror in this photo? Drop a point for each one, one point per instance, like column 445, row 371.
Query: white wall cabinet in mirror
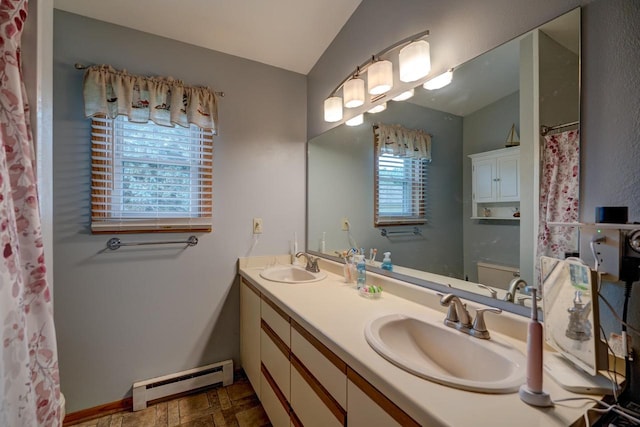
column 495, row 183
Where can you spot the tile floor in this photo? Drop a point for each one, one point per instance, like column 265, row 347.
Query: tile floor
column 233, row 406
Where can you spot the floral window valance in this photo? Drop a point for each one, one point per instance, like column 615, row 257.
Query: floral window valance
column 165, row 101
column 400, row 141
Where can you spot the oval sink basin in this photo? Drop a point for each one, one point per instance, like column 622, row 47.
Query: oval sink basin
column 446, row 356
column 291, row 274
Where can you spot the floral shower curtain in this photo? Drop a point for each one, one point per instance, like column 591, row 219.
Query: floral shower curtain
column 559, row 195
column 29, row 383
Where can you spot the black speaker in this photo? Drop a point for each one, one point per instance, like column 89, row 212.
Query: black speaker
column 612, row 214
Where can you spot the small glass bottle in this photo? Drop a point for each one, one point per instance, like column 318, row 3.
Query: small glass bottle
column 361, row 267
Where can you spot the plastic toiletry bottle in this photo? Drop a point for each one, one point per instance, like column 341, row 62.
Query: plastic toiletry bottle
column 346, row 269
column 361, row 267
column 386, row 262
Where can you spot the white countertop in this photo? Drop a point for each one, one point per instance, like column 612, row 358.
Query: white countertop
column 336, row 314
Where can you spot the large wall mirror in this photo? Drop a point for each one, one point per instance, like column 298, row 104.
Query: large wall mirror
column 523, row 84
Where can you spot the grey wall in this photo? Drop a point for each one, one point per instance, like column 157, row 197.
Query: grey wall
column 461, row 30
column 341, row 182
column 138, row 313
column 610, row 126
column 497, row 242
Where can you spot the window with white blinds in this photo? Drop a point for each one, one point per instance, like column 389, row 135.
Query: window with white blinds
column 400, row 184
column 149, row 178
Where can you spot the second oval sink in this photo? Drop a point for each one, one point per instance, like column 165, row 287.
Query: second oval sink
column 291, row 274
column 446, row 356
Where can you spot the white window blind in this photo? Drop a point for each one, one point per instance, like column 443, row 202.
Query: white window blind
column 400, row 184
column 147, row 177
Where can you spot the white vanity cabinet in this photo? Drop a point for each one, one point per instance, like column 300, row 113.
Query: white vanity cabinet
column 275, row 353
column 299, row 380
column 495, row 184
column 250, row 333
column 318, row 381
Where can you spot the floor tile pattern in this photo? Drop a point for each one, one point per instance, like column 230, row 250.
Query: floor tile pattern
column 233, row 406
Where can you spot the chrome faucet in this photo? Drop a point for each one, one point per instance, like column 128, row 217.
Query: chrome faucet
column 514, row 285
column 458, row 317
column 312, row 263
column 492, row 292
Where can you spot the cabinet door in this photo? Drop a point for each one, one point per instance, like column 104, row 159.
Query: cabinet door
column 250, row 333
column 508, row 178
column 274, row 402
column 484, row 184
column 367, row 407
column 311, row 402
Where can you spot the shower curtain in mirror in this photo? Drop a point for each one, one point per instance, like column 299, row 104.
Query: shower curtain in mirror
column 559, row 195
column 29, row 383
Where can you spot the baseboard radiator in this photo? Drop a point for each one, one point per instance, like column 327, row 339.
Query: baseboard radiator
column 180, row 382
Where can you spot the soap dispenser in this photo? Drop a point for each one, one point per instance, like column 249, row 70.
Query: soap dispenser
column 386, row 262
column 362, row 271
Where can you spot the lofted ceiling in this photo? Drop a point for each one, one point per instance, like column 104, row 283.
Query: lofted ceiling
column 289, row 34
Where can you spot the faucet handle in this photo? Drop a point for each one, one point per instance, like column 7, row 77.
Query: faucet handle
column 493, row 292
column 479, row 326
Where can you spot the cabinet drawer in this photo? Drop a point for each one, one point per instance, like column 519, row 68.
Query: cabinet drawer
column 273, row 400
column 322, row 363
column 368, row 407
column 312, row 405
column 274, row 355
column 277, row 320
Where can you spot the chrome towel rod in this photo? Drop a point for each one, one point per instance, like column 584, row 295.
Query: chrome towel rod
column 415, row 231
column 115, row 243
column 544, row 130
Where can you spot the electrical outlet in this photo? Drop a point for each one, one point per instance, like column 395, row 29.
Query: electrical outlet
column 607, row 246
column 344, row 223
column 257, row 225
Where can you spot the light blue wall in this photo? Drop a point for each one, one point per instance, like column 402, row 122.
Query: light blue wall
column 142, row 312
column 341, row 181
column 496, row 242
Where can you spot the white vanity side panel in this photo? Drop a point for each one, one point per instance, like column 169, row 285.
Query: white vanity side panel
column 325, row 372
column 279, row 324
column 364, row 412
column 278, row 415
column 276, row 363
column 250, row 335
column 308, row 407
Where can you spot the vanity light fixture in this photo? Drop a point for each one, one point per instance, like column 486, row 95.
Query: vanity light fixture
column 440, row 81
column 333, row 109
column 378, row 108
column 355, row 121
column 380, row 77
column 353, row 92
column 415, row 63
column 404, row 95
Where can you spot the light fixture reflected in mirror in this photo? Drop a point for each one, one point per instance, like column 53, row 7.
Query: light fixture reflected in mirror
column 355, row 121
column 415, row 61
column 333, row 109
column 378, row 108
column 440, row 81
column 404, row 95
column 353, row 92
column 380, row 77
